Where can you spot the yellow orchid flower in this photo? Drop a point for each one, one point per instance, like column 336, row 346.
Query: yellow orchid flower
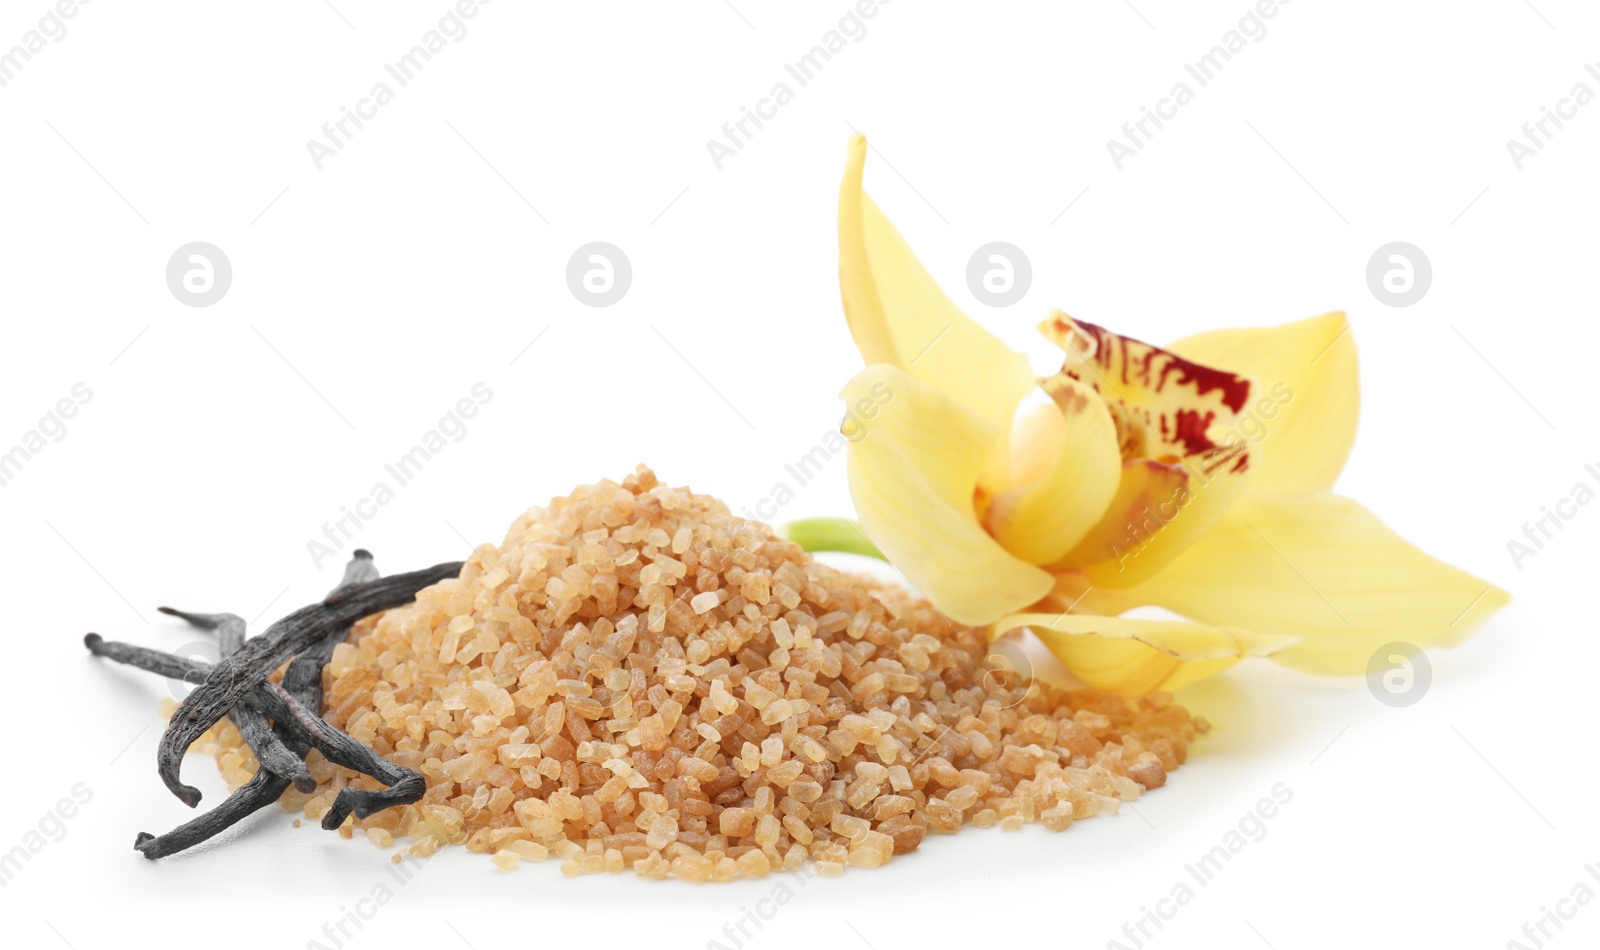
column 1194, row 478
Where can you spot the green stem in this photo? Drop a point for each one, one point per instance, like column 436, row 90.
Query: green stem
column 831, row 534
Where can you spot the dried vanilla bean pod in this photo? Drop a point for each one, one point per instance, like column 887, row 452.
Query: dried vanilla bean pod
column 358, row 570
column 303, row 680
column 302, row 725
column 270, row 750
column 292, row 715
column 262, row 790
column 229, row 627
column 158, row 662
column 257, row 732
column 404, row 785
column 260, row 656
column 303, row 728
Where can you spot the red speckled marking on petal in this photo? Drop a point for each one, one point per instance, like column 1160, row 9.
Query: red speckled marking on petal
column 1174, row 401
column 1135, row 361
column 1190, row 430
column 1235, row 389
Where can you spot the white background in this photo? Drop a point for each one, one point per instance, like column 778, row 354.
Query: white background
column 369, row 296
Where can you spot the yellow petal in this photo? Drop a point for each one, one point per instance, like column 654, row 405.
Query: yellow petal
column 1170, row 413
column 1325, row 569
column 915, row 456
column 1307, row 400
column 1057, row 503
column 899, row 316
column 1133, row 657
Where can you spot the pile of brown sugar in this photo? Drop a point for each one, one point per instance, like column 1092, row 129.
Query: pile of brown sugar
column 636, row 678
